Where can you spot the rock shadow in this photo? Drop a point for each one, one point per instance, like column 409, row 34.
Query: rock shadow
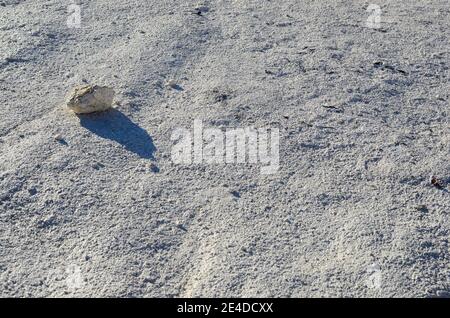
column 116, row 126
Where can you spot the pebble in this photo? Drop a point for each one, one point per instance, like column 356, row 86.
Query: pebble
column 171, row 83
column 90, row 98
column 200, row 8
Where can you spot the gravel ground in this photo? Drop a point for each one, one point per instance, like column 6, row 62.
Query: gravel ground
column 104, row 211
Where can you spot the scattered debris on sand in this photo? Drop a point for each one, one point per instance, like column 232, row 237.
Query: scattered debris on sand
column 90, row 98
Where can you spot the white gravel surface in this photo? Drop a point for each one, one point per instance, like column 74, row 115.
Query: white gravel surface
column 94, row 206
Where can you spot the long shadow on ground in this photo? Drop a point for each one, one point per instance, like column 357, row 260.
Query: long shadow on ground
column 114, row 125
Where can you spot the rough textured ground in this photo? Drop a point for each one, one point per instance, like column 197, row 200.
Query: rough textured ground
column 105, row 212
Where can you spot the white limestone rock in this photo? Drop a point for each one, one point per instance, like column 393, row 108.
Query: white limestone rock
column 90, row 98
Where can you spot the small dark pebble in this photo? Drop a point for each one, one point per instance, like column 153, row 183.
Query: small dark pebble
column 436, row 182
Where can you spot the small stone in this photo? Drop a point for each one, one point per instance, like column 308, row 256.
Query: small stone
column 181, row 226
column 90, row 98
column 436, row 182
column 171, row 83
column 201, row 8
